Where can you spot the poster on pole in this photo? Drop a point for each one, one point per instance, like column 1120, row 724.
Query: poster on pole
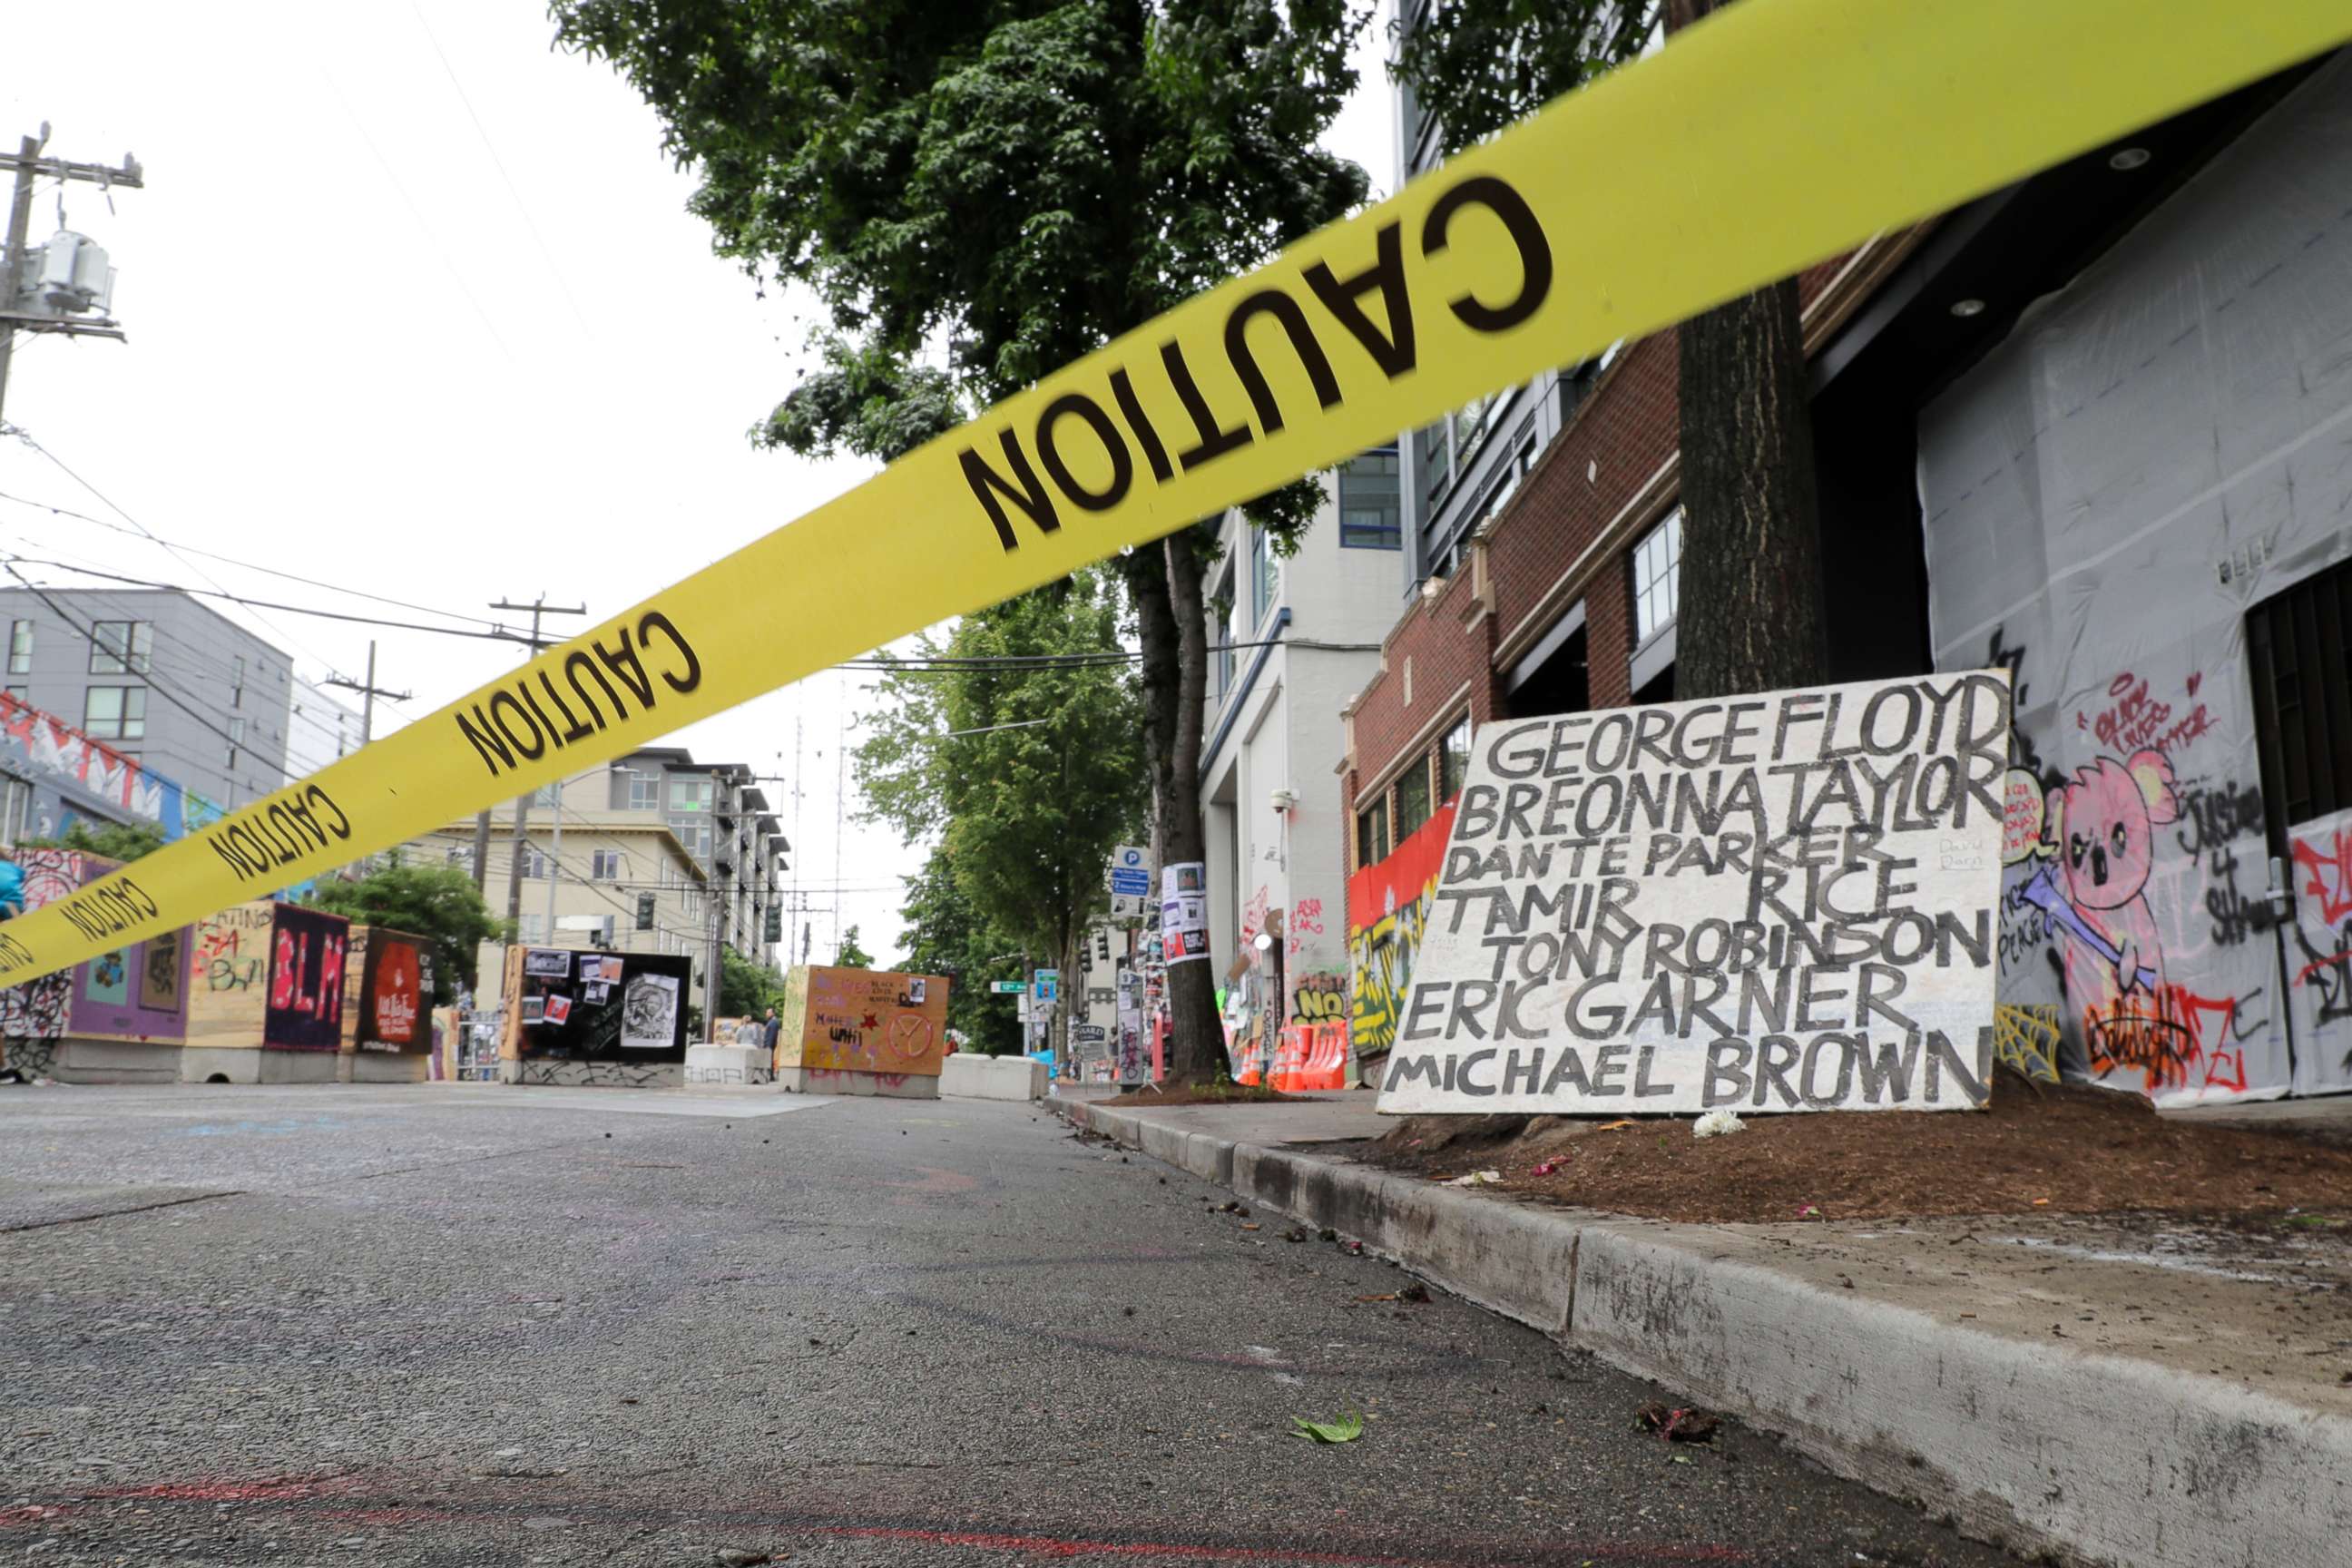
column 1184, row 911
column 1783, row 902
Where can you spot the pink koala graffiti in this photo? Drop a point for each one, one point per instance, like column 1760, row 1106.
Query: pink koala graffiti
column 2103, row 825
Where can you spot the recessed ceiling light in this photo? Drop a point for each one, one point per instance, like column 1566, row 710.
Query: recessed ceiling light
column 1964, row 309
column 2127, row 159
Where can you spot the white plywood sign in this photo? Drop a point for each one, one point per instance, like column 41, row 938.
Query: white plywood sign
column 1784, row 903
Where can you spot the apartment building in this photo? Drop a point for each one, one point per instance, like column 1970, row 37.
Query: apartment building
column 158, row 676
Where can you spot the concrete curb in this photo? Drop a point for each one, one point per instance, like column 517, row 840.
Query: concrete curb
column 2101, row 1459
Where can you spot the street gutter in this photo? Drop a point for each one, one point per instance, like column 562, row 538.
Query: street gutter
column 2096, row 1459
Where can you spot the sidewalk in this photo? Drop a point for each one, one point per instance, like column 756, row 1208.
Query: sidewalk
column 2138, row 1390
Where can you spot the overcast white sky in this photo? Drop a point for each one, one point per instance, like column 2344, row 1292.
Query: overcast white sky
column 351, row 357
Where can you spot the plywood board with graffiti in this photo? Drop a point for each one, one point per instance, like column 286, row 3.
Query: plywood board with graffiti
column 137, row 993
column 35, row 1013
column 577, row 1005
column 387, row 1006
column 2319, row 953
column 1387, row 909
column 2110, row 502
column 268, row 974
column 862, row 1020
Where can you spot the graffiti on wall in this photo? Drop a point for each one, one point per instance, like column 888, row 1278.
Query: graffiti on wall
column 2025, row 1038
column 1388, row 911
column 230, row 945
column 41, row 745
column 305, row 1009
column 33, row 1016
column 2319, row 956
column 2131, row 880
column 1318, row 998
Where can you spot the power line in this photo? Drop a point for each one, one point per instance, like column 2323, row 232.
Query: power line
column 154, row 676
column 245, row 566
column 498, row 635
column 193, row 657
column 26, row 436
column 522, row 206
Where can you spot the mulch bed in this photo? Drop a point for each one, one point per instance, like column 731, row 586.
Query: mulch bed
column 2067, row 1149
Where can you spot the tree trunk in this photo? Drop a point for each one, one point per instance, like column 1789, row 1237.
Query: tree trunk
column 1751, row 589
column 1196, row 1043
column 1751, row 556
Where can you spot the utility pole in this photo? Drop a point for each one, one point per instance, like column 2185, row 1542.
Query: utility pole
column 31, row 165
column 370, row 691
column 538, row 607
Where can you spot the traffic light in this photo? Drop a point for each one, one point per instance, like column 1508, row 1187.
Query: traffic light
column 1102, row 945
column 775, row 927
column 645, row 911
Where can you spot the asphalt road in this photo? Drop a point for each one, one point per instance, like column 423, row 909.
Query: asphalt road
column 477, row 1325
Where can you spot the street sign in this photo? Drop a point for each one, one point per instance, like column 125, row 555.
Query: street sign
column 1007, row 987
column 1130, row 871
column 1126, row 906
column 1046, row 985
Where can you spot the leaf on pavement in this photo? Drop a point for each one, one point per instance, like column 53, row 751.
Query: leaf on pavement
column 1345, row 1429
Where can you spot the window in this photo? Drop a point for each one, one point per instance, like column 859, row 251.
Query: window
column 645, row 791
column 2298, row 645
column 1452, row 761
column 608, row 866
column 695, row 835
column 1657, row 573
column 548, row 795
column 1369, row 516
column 236, row 738
column 115, row 712
column 457, row 855
column 121, row 647
column 236, row 683
column 1436, row 461
column 18, row 693
column 1263, row 574
column 534, row 864
column 685, row 794
column 1372, row 832
column 20, row 647
column 531, row 930
column 1412, row 798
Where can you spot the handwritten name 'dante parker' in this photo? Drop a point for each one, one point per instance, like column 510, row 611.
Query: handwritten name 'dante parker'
column 1785, row 902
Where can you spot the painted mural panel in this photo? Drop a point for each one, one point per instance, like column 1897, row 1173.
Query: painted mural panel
column 131, row 994
column 1388, row 911
column 2319, row 953
column 308, row 953
column 2153, row 452
column 395, row 990
column 864, row 1020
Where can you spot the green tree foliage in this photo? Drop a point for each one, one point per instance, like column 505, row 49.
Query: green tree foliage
column 851, row 955
column 110, row 840
column 946, row 935
column 1754, row 615
column 1019, row 181
column 746, row 990
column 438, row 902
column 1026, row 773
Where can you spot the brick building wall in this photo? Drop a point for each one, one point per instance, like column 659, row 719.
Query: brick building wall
column 1603, row 482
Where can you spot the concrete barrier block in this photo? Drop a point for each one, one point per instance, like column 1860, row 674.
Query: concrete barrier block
column 964, row 1076
column 727, row 1066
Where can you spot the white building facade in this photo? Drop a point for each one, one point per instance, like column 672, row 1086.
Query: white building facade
column 1291, row 641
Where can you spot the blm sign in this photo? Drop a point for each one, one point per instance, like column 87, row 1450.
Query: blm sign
column 1784, row 903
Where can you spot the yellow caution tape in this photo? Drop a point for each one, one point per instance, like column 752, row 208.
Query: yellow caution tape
column 1774, row 135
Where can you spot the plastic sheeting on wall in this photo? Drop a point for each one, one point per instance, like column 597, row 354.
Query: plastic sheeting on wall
column 2155, row 450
